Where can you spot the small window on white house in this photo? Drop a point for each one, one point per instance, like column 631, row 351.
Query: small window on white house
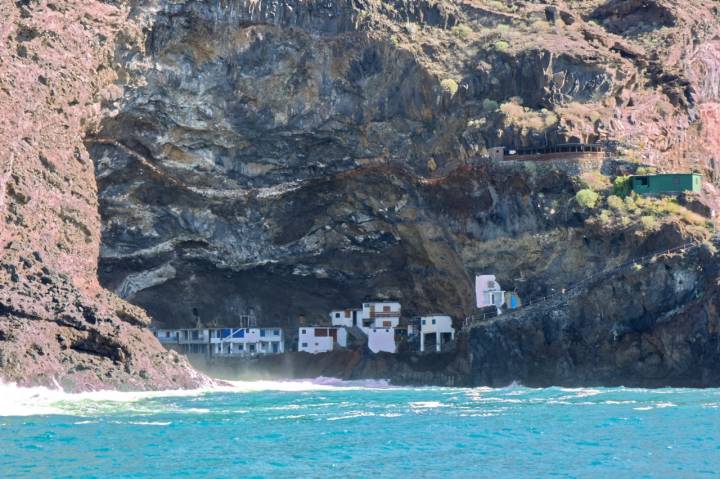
column 433, row 321
column 304, row 345
column 276, row 332
column 303, row 331
column 424, row 321
column 337, row 315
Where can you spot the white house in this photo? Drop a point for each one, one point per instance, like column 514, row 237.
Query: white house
column 435, row 331
column 224, row 341
column 381, row 314
column 246, row 341
column 382, row 340
column 168, row 336
column 347, row 318
column 316, row 339
column 488, row 292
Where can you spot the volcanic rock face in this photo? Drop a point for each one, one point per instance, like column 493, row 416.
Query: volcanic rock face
column 57, row 325
column 295, row 156
column 280, row 155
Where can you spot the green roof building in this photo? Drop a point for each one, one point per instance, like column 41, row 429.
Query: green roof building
column 666, row 183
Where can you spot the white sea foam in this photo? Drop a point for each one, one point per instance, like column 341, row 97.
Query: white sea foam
column 426, row 404
column 150, row 423
column 38, row 401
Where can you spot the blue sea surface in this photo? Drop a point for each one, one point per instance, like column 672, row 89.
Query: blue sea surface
column 299, row 430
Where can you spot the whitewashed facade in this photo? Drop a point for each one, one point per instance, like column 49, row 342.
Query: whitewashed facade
column 225, row 341
column 321, row 339
column 382, row 340
column 381, row 314
column 347, row 318
column 488, row 292
column 435, row 331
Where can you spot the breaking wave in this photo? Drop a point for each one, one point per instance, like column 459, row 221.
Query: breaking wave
column 40, row 401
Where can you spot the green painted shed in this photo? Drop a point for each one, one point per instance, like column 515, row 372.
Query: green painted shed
column 666, row 183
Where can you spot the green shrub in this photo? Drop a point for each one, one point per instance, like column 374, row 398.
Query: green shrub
column 595, row 180
column 461, row 31
column 489, row 105
column 587, row 198
column 450, row 86
column 605, row 217
column 649, row 222
column 630, row 203
column 621, row 186
column 616, row 203
column 501, row 45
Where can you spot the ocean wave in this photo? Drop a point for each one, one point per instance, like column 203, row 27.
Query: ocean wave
column 41, row 401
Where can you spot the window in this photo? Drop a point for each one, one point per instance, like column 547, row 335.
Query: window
column 262, row 333
column 276, row 332
column 387, row 330
column 643, row 180
column 433, row 321
column 423, row 321
column 303, row 345
column 241, row 347
column 167, row 334
column 337, row 315
column 302, row 331
column 386, row 309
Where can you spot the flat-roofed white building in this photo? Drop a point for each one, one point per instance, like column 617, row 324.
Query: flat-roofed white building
column 224, row 341
column 169, row 336
column 247, row 341
column 321, row 339
column 347, row 318
column 488, row 292
column 381, row 314
column 382, row 340
column 435, row 332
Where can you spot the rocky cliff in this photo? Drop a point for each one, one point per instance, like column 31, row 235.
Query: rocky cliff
column 57, row 325
column 295, row 156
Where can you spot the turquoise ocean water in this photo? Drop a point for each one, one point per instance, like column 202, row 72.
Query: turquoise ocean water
column 323, row 429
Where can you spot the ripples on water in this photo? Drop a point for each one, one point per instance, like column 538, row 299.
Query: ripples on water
column 327, row 428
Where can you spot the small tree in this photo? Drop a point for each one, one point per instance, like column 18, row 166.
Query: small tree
column 587, row 198
column 621, row 186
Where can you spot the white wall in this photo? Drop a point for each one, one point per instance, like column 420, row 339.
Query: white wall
column 487, row 291
column 435, row 325
column 382, row 339
column 313, row 345
column 432, row 324
column 392, row 316
column 166, row 335
column 342, row 337
column 342, row 318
